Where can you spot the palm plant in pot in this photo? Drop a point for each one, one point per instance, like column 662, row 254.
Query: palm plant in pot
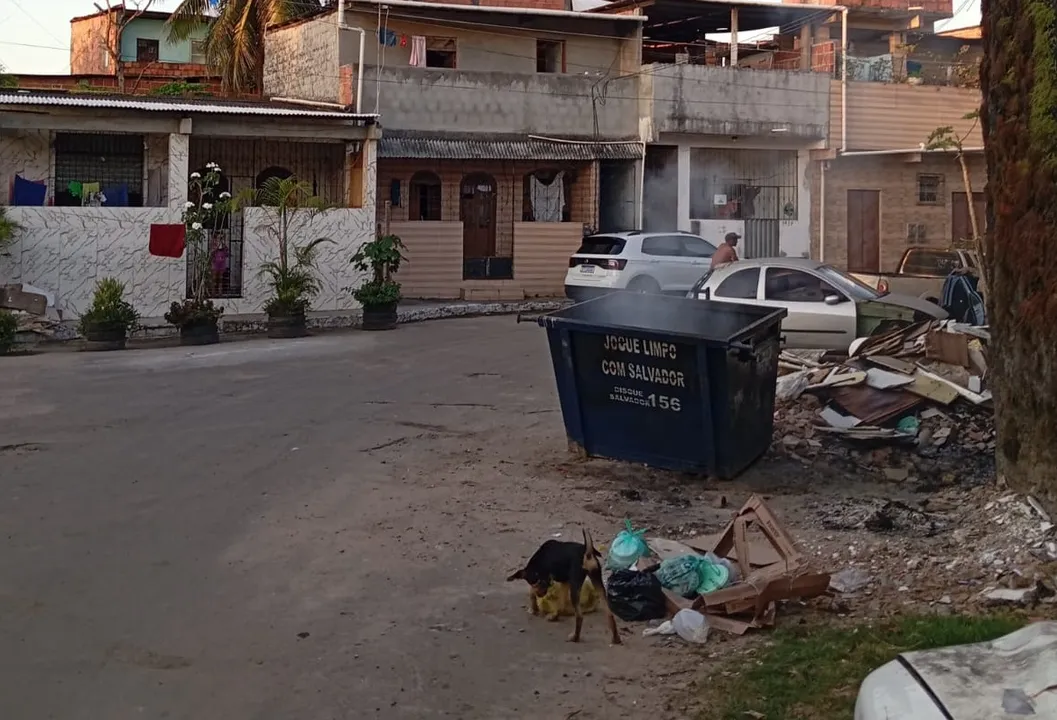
column 197, row 318
column 292, row 274
column 379, row 293
column 109, row 319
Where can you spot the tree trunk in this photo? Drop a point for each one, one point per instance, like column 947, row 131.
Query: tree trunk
column 1019, row 83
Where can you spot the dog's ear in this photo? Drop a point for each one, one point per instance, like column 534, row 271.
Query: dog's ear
column 519, row 575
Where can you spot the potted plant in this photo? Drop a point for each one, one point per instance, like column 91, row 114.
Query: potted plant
column 196, row 317
column 108, row 320
column 379, row 294
column 292, row 275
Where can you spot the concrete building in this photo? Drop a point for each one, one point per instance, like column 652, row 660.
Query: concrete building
column 137, row 60
column 878, row 189
column 508, row 132
column 731, row 123
column 58, row 151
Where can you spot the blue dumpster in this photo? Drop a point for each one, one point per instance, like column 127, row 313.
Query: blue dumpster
column 672, row 382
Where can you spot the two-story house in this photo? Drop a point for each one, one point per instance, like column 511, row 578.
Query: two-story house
column 731, row 116
column 879, row 187
column 126, row 50
column 507, row 132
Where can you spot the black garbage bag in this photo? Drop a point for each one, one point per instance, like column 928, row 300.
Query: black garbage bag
column 635, row 596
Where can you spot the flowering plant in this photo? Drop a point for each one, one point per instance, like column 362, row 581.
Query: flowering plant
column 203, row 215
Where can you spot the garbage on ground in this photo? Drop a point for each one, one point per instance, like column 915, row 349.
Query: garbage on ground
column 849, row 580
column 688, row 624
column 691, row 626
column 915, row 398
column 627, row 547
column 636, row 596
column 736, row 579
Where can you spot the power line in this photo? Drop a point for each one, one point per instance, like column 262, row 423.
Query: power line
column 31, row 45
column 36, row 22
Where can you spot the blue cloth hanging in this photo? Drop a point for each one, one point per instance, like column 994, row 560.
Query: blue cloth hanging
column 387, row 38
column 28, row 193
column 116, row 195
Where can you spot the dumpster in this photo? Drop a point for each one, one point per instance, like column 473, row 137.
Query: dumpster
column 672, row 382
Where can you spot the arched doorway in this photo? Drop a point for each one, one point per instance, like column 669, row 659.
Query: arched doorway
column 477, row 210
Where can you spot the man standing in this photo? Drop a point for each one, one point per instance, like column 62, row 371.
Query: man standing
column 726, row 253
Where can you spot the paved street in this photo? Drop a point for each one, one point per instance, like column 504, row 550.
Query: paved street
column 300, row 529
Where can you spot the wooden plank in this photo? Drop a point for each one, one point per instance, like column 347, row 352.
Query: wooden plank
column 932, row 389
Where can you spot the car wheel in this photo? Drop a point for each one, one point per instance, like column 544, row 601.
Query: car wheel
column 644, row 284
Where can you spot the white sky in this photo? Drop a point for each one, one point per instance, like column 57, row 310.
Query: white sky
column 35, row 40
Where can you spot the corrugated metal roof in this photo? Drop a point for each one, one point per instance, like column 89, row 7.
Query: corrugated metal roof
column 213, row 107
column 439, row 146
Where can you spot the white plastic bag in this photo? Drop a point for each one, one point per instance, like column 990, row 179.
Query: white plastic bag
column 691, row 626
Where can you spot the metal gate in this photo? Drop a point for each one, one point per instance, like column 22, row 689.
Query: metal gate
column 761, row 238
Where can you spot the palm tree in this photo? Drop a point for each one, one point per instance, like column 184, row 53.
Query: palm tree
column 235, row 43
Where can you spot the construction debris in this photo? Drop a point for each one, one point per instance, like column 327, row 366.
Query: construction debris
column 770, row 569
column 910, row 405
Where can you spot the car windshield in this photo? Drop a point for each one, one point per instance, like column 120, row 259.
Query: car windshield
column 856, row 289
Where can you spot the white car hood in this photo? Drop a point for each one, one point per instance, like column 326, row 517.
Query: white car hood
column 1012, row 678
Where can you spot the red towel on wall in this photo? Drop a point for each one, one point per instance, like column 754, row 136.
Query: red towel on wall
column 167, row 240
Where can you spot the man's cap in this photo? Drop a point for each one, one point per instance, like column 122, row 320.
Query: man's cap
column 731, row 236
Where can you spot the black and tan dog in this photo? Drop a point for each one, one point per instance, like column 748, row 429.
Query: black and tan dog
column 569, row 563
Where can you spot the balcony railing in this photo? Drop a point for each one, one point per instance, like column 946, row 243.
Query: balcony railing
column 891, row 68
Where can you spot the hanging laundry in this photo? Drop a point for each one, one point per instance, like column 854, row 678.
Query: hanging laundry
column 418, row 51
column 387, row 38
column 403, row 41
column 74, row 188
column 116, row 195
column 167, row 240
column 548, row 199
column 28, row 192
column 90, row 194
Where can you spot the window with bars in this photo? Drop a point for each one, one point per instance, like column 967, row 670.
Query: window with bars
column 424, row 197
column 110, row 163
column 198, row 52
column 930, row 189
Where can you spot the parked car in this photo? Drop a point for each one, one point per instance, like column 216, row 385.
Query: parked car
column 827, row 308
column 655, row 262
column 1010, row 677
column 921, row 272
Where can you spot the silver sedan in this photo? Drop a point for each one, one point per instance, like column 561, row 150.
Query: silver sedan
column 827, row 307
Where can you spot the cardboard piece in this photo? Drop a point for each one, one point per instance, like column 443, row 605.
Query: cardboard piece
column 750, row 603
column 948, row 347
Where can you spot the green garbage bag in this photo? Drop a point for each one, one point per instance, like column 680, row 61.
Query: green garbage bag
column 691, row 575
column 627, row 547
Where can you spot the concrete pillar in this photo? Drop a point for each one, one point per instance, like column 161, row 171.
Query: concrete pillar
column 897, row 48
column 683, row 174
column 806, row 39
column 179, row 153
column 733, row 37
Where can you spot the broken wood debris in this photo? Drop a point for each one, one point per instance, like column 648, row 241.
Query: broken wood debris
column 924, row 385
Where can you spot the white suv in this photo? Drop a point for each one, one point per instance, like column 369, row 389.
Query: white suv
column 654, row 262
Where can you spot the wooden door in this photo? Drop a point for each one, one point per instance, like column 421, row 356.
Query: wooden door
column 961, row 226
column 864, row 231
column 477, row 206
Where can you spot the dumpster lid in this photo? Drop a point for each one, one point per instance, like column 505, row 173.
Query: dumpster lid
column 718, row 322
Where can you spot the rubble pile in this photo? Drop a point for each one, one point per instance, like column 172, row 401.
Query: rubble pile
column 910, row 405
column 966, row 549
